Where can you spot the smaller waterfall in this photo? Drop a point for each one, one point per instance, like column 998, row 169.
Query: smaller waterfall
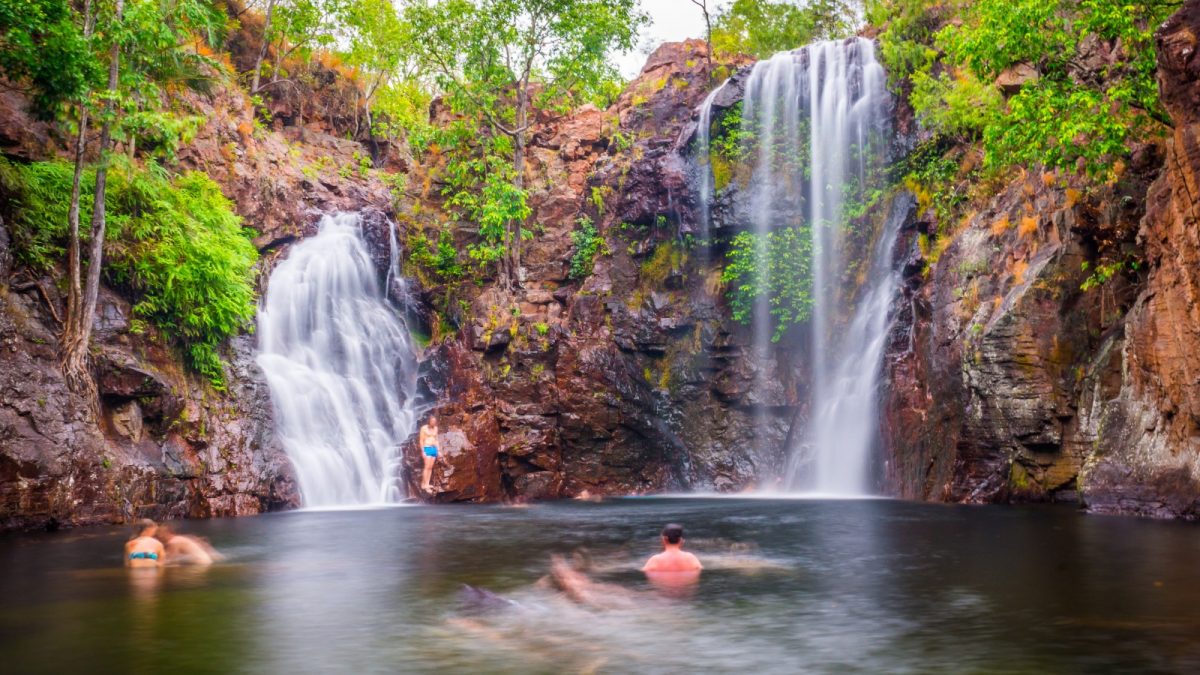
column 704, row 189
column 340, row 366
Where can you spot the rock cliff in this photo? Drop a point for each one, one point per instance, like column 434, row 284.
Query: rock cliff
column 633, row 378
column 1008, row 382
column 166, row 444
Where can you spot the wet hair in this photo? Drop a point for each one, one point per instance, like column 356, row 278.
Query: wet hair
column 141, row 525
column 673, row 533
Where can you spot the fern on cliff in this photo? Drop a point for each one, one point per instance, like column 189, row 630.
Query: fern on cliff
column 175, row 242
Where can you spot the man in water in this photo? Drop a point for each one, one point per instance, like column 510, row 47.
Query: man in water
column 143, row 550
column 673, row 558
column 429, row 448
column 185, row 550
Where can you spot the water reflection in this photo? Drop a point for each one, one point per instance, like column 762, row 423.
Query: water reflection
column 787, row 586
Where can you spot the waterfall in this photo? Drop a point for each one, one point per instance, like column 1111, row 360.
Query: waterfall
column 704, row 191
column 340, row 366
column 818, row 117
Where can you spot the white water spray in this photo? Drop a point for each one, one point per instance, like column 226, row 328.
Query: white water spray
column 814, row 113
column 703, row 155
column 340, row 365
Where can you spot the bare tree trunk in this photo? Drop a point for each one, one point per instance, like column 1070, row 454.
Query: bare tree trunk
column 262, row 51
column 519, row 182
column 703, row 5
column 79, row 331
column 73, row 263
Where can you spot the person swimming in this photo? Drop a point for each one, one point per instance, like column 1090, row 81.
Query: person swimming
column 183, row 549
column 673, row 558
column 143, row 550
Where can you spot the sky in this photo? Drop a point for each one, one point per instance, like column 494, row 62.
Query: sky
column 670, row 21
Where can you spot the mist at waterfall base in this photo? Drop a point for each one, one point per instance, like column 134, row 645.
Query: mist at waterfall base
column 788, row 586
column 339, row 362
column 818, row 117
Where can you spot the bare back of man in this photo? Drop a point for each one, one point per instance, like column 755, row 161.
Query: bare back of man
column 673, row 561
column 673, row 558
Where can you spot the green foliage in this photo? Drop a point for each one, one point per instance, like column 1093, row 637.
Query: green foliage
column 440, row 257
column 1070, row 110
column 776, row 266
column 906, row 42
column 478, row 50
column 588, row 244
column 931, row 174
column 759, row 28
column 1103, row 273
column 43, row 51
column 175, row 241
column 730, row 139
column 496, row 61
column 37, row 195
column 961, row 107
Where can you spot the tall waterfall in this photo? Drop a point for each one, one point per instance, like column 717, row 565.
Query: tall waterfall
column 818, row 116
column 340, row 366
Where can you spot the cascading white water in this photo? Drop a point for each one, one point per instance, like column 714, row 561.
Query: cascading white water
column 704, row 190
column 340, row 366
column 817, row 116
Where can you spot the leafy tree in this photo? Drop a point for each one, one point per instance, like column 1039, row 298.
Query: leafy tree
column 1089, row 87
column 497, row 61
column 295, row 26
column 761, row 28
column 150, row 34
column 379, row 46
column 44, row 51
column 175, row 241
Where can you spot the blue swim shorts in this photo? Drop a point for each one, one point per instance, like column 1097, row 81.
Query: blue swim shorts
column 430, row 451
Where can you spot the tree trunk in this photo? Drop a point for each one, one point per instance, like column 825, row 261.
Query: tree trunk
column 74, row 288
column 514, row 264
column 262, row 51
column 73, row 263
column 79, row 331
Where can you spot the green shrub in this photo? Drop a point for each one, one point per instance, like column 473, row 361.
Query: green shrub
column 1070, row 112
column 786, row 255
column 173, row 240
column 441, row 258
column 588, row 244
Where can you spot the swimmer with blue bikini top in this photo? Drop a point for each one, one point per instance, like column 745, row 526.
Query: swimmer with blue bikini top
column 143, row 550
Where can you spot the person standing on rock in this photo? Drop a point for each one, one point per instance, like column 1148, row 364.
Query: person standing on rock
column 429, row 449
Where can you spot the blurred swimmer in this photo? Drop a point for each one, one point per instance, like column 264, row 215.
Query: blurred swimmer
column 143, row 550
column 186, row 550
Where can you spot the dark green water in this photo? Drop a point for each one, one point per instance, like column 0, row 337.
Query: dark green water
column 790, row 586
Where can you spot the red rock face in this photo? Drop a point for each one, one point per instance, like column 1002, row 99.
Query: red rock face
column 1008, row 382
column 1148, row 436
column 167, row 445
column 631, row 379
